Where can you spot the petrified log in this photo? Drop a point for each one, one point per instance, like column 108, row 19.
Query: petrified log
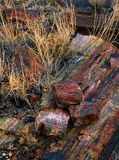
column 67, row 92
column 94, row 137
column 52, row 122
column 99, row 81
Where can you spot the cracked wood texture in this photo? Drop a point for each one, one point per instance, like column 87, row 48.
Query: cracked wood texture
column 99, row 81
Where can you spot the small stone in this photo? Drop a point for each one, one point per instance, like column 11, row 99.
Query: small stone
column 29, row 119
column 52, row 122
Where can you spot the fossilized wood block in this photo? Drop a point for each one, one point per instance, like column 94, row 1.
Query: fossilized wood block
column 67, row 92
column 84, row 114
column 52, row 122
column 88, row 112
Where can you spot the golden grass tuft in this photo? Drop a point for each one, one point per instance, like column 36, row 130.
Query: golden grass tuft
column 51, row 35
column 105, row 28
column 17, row 85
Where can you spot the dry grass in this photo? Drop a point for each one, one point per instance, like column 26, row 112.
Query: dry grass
column 106, row 25
column 17, row 85
column 2, row 65
column 51, row 36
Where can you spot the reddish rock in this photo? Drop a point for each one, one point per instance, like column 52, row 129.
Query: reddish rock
column 83, row 114
column 88, row 112
column 26, row 59
column 68, row 92
column 52, row 122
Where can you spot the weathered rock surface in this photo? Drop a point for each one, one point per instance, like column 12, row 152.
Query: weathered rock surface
column 99, row 81
column 67, row 92
column 97, row 110
column 11, row 129
column 52, row 122
column 84, row 114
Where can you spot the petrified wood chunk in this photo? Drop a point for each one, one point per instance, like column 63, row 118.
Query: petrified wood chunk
column 84, row 114
column 88, row 112
column 52, row 122
column 68, row 92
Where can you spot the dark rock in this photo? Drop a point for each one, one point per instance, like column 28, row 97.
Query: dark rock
column 114, row 60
